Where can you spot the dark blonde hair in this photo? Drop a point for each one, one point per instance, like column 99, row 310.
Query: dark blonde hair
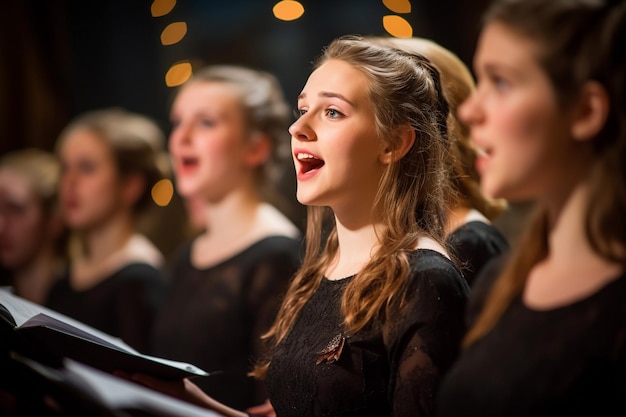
column 576, row 41
column 265, row 110
column 404, row 90
column 42, row 170
column 457, row 84
column 136, row 142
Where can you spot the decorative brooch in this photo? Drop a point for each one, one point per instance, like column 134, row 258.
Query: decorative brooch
column 332, row 351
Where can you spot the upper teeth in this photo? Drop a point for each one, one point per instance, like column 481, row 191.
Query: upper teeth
column 305, row 156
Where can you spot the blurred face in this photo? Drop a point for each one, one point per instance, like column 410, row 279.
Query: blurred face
column 90, row 190
column 23, row 223
column 514, row 118
column 209, row 140
column 335, row 147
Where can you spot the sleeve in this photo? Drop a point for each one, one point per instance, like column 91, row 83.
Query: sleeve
column 482, row 287
column 425, row 341
column 267, row 287
column 137, row 304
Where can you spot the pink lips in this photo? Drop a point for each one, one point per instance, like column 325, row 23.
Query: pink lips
column 309, row 164
column 187, row 165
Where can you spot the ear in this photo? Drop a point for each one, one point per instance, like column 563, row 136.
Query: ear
column 591, row 111
column 406, row 139
column 259, row 149
column 132, row 188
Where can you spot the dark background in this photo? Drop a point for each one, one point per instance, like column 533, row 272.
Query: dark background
column 59, row 58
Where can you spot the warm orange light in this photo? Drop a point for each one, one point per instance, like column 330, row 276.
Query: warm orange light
column 162, row 7
column 162, row 192
column 173, row 33
column 398, row 6
column 178, row 74
column 397, row 26
column 288, row 10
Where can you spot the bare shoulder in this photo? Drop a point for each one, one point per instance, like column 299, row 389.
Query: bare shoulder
column 272, row 222
column 141, row 250
column 428, row 243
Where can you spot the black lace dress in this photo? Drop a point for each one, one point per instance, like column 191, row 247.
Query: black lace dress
column 123, row 305
column 566, row 361
column 390, row 369
column 214, row 317
column 474, row 244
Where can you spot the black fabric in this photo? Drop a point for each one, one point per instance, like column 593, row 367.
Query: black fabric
column 214, row 317
column 123, row 305
column 567, row 361
column 389, row 369
column 474, row 244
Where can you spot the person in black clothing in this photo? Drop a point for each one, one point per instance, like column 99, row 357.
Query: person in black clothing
column 471, row 235
column 110, row 159
column 375, row 315
column 228, row 143
column 549, row 115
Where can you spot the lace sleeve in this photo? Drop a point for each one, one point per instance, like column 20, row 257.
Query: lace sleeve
column 267, row 287
column 426, row 339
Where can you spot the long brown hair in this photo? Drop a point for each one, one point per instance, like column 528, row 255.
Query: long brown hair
column 578, row 41
column 405, row 90
column 457, row 84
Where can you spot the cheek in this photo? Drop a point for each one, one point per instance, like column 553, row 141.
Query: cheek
column 522, row 127
column 225, row 153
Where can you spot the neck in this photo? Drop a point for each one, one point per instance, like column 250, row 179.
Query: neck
column 566, row 236
column 105, row 240
column 356, row 247
column 240, row 205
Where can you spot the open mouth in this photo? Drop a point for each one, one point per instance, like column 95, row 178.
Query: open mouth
column 188, row 162
column 308, row 162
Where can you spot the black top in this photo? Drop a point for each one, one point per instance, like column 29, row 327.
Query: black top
column 567, row 361
column 123, row 305
column 389, row 369
column 214, row 317
column 474, row 244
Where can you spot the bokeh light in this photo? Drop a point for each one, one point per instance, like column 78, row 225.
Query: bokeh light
column 162, row 7
column 162, row 192
column 178, row 74
column 288, row 10
column 173, row 33
column 398, row 6
column 397, row 26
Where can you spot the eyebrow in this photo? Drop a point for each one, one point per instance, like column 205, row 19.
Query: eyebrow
column 331, row 95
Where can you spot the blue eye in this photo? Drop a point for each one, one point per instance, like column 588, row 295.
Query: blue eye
column 334, row 113
column 500, row 83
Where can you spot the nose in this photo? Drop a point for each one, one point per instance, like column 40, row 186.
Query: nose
column 469, row 111
column 180, row 134
column 301, row 130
